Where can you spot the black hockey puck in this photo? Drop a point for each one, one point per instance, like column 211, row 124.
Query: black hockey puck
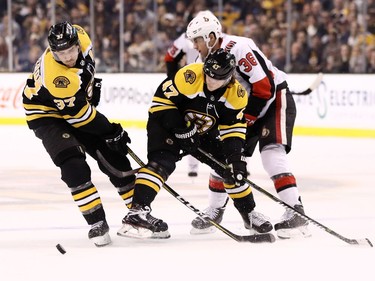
column 61, row 249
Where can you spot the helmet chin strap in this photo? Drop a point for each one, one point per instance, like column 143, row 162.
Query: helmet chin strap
column 210, row 47
column 55, row 56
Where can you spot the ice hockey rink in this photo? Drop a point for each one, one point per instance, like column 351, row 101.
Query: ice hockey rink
column 336, row 179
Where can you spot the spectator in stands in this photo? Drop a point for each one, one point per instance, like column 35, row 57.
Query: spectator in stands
column 316, row 55
column 278, row 57
column 30, row 55
column 344, row 61
column 264, row 21
column 3, row 54
column 15, row 39
column 331, row 52
column 298, row 61
column 357, row 62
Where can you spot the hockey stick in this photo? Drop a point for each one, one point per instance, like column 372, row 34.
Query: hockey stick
column 113, row 170
column 312, row 87
column 256, row 238
column 364, row 241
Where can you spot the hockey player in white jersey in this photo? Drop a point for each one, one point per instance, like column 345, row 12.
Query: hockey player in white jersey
column 270, row 116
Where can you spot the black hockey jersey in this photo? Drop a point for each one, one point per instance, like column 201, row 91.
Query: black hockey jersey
column 185, row 98
column 55, row 91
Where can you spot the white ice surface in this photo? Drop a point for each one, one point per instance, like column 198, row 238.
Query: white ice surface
column 335, row 177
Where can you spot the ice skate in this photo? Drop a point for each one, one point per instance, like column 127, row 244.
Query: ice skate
column 99, row 234
column 201, row 226
column 256, row 222
column 139, row 223
column 292, row 225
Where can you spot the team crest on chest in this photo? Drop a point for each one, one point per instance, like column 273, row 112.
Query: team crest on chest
column 190, row 76
column 204, row 122
column 241, row 92
column 61, row 82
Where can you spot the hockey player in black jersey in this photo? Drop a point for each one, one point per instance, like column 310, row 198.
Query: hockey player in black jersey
column 60, row 99
column 201, row 106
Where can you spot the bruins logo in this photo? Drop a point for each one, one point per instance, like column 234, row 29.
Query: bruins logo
column 61, row 82
column 216, row 66
column 190, row 76
column 202, row 121
column 241, row 92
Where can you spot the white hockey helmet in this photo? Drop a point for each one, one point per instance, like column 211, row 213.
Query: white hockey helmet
column 203, row 25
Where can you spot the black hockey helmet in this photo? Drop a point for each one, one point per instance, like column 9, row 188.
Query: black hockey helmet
column 220, row 64
column 62, row 36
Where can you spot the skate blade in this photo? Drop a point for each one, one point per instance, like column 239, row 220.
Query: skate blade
column 298, row 232
column 128, row 230
column 102, row 241
column 161, row 235
column 198, row 231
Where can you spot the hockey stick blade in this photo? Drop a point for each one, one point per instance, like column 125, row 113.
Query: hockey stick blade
column 364, row 241
column 256, row 238
column 360, row 242
column 113, row 170
column 312, row 87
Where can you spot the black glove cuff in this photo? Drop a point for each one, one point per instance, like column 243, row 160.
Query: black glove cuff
column 236, row 157
column 118, row 134
column 185, row 133
column 116, row 130
column 117, row 138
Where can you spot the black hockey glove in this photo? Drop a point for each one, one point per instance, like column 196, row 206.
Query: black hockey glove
column 188, row 138
column 96, row 91
column 237, row 165
column 118, row 140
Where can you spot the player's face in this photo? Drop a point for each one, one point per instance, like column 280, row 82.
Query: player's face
column 214, row 84
column 201, row 47
column 69, row 56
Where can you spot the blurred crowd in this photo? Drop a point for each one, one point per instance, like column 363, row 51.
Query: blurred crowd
column 326, row 36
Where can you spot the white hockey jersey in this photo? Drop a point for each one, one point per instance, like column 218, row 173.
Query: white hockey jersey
column 183, row 44
column 255, row 72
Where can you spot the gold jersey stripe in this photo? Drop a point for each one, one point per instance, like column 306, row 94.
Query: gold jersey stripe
column 88, row 120
column 45, row 115
column 148, row 183
column 162, row 100
column 240, row 194
column 85, row 193
column 231, row 135
column 160, row 108
column 91, row 205
column 127, row 195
